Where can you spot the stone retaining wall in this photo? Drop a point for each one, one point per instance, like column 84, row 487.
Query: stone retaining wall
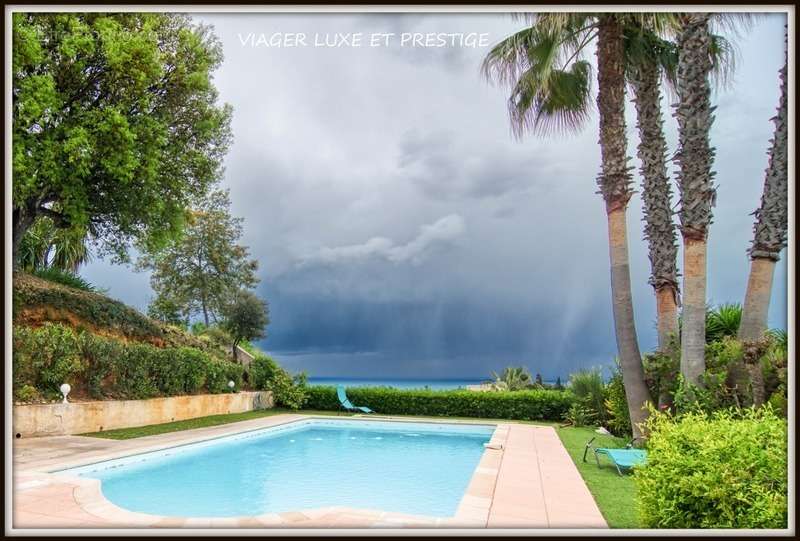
column 81, row 417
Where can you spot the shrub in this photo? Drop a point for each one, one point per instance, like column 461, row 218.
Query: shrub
column 64, row 277
column 530, row 405
column 101, row 355
column 287, row 391
column 26, row 393
column 619, row 419
column 46, row 357
column 723, row 470
column 589, row 391
column 722, row 321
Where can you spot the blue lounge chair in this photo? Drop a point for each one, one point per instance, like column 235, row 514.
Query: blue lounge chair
column 346, row 404
column 623, row 459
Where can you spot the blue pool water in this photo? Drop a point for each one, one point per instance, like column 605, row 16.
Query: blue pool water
column 417, row 468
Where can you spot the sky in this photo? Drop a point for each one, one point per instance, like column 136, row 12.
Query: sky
column 401, row 231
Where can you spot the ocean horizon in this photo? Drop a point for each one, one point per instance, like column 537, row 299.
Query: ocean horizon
column 401, row 383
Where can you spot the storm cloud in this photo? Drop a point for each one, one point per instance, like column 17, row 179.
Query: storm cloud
column 402, row 231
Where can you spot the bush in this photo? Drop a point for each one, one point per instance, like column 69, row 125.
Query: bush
column 287, row 391
column 46, row 357
column 532, row 405
column 723, row 470
column 26, row 393
column 64, row 277
column 589, row 391
column 619, row 418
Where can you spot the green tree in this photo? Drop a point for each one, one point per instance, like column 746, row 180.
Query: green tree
column 770, row 230
column 246, row 318
column 204, row 266
column 116, row 126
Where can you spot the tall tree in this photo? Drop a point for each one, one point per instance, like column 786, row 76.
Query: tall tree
column 650, row 60
column 771, row 227
column 116, row 126
column 694, row 157
column 551, row 88
column 199, row 271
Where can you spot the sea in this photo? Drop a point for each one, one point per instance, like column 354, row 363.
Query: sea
column 398, row 383
column 433, row 384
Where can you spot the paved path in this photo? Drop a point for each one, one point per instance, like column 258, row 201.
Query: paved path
column 527, row 481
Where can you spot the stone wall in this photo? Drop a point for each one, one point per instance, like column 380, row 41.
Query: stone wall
column 81, row 417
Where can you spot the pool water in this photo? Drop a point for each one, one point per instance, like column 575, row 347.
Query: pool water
column 416, row 468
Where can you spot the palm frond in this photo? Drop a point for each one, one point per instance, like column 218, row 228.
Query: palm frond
column 560, row 104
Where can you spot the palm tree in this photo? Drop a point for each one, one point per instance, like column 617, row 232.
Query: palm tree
column 770, row 229
column 513, row 378
column 695, row 157
column 551, row 91
column 650, row 60
column 45, row 245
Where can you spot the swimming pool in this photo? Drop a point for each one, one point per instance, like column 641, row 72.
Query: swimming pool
column 414, row 468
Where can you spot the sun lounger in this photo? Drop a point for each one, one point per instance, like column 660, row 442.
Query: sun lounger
column 346, row 404
column 623, row 459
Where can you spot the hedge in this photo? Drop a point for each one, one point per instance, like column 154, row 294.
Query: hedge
column 724, row 470
column 100, row 367
column 533, row 405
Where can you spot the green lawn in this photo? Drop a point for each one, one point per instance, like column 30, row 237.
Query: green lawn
column 200, row 422
column 615, row 495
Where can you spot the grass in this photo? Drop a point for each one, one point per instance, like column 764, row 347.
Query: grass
column 200, row 422
column 615, row 495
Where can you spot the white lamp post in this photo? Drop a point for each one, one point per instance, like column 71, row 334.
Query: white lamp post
column 231, row 385
column 65, row 389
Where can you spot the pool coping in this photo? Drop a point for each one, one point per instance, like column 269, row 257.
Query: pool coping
column 474, row 509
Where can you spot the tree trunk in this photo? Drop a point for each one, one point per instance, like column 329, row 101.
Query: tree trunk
column 695, row 157
column 22, row 223
column 659, row 229
column 693, row 333
column 667, row 321
column 770, row 229
column 615, row 186
column 756, row 300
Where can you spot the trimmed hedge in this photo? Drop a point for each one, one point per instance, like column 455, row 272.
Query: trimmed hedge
column 724, row 470
column 100, row 367
column 532, row 405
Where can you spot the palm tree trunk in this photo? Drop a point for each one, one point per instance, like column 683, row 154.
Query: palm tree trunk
column 693, row 335
column 615, row 186
column 756, row 300
column 659, row 228
column 770, row 229
column 667, row 317
column 697, row 192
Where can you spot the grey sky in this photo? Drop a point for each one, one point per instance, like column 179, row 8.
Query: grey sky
column 401, row 231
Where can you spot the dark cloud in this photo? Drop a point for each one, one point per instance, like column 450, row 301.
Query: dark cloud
column 400, row 230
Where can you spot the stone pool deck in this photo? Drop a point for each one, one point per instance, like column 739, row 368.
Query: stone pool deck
column 531, row 482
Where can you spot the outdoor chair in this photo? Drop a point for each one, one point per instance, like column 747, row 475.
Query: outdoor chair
column 623, row 459
column 346, row 404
